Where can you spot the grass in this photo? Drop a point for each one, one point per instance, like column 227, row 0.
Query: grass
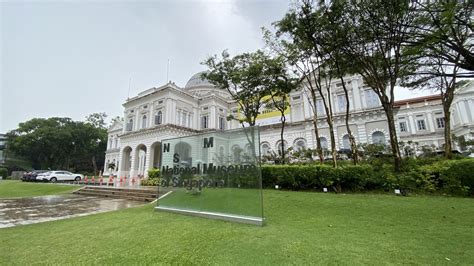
column 15, row 188
column 247, row 202
column 301, row 228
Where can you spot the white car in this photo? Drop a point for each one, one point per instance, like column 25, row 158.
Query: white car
column 54, row 176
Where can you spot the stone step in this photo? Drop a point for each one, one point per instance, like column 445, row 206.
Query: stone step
column 142, row 190
column 146, row 195
column 129, row 197
column 112, row 192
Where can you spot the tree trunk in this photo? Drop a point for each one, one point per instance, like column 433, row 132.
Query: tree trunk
column 397, row 159
column 448, row 149
column 349, row 131
column 319, row 149
column 283, row 121
column 333, row 142
column 94, row 164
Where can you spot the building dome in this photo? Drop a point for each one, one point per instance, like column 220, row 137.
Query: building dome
column 196, row 81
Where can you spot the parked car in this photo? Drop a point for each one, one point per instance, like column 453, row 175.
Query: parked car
column 31, row 176
column 54, row 176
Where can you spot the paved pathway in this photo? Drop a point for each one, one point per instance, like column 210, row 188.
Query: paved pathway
column 48, row 208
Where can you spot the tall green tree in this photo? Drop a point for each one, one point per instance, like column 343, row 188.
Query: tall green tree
column 441, row 49
column 280, row 83
column 378, row 31
column 243, row 76
column 59, row 143
column 300, row 31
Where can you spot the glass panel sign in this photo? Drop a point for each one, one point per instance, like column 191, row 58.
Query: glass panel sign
column 216, row 175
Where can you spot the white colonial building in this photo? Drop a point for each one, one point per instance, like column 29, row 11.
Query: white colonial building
column 170, row 111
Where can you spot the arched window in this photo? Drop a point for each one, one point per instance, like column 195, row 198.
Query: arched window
column 279, row 144
column 300, row 144
column 116, row 142
column 265, row 148
column 236, row 151
column 158, row 118
column 346, row 143
column 130, row 125
column 144, row 118
column 378, row 137
column 324, row 143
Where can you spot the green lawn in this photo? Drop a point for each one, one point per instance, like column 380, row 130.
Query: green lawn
column 15, row 188
column 301, row 228
column 247, row 202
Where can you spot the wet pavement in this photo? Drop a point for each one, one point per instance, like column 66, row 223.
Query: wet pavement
column 20, row 211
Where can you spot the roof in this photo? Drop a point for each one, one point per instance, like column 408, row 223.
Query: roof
column 197, row 81
column 417, row 100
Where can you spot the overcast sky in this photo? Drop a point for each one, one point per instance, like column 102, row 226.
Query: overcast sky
column 70, row 59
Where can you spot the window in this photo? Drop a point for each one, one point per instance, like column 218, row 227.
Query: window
column 403, row 126
column 371, row 98
column 346, row 143
column 378, row 137
column 185, row 119
column 204, row 121
column 324, row 143
column 341, row 103
column 421, row 124
column 130, row 125
column 116, row 142
column 158, row 118
column 300, row 145
column 319, row 107
column 440, row 122
column 144, row 118
column 265, row 149
column 221, row 123
column 279, row 146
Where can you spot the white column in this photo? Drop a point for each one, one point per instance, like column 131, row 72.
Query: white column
column 212, row 117
column 356, row 95
column 136, row 124
column 132, row 165
column 412, row 128
column 151, row 117
column 430, row 122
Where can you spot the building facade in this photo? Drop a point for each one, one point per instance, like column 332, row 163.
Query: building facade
column 170, row 111
column 3, row 143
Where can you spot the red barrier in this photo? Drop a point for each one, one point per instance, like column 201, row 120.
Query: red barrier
column 93, row 179
column 86, row 180
column 100, row 180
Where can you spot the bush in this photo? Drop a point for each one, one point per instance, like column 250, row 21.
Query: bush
column 311, row 177
column 3, row 172
column 154, row 173
column 153, row 178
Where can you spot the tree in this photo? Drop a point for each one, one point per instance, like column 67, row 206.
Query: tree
column 444, row 30
column 59, row 143
column 334, row 31
column 378, row 30
column 441, row 46
column 243, row 76
column 301, row 36
column 280, row 84
column 97, row 119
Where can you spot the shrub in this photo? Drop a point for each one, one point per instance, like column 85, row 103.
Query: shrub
column 154, row 173
column 4, row 172
column 458, row 176
column 309, row 177
column 153, row 178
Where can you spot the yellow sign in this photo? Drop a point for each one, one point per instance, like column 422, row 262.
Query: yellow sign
column 269, row 110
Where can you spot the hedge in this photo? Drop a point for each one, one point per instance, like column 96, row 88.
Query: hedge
column 455, row 177
column 312, row 177
column 3, row 172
